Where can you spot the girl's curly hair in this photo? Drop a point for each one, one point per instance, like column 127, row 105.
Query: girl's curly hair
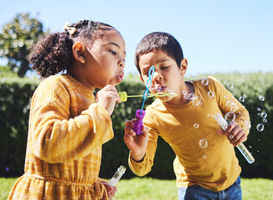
column 53, row 53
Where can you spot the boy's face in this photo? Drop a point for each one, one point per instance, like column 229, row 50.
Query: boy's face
column 167, row 76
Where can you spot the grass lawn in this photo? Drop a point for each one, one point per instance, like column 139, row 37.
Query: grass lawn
column 154, row 189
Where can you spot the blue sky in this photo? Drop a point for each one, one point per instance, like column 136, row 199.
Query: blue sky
column 216, row 35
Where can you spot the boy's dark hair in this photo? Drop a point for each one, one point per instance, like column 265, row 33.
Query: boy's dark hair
column 53, row 53
column 162, row 41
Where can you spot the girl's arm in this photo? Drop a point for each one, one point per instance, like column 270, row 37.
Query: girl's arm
column 57, row 139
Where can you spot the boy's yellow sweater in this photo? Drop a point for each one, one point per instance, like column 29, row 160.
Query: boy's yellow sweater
column 202, row 156
column 66, row 132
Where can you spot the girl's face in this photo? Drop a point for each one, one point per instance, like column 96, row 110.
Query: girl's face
column 105, row 60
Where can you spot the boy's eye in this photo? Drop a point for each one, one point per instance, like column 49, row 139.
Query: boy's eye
column 164, row 67
column 113, row 52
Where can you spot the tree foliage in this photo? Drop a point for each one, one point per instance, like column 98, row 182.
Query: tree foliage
column 16, row 40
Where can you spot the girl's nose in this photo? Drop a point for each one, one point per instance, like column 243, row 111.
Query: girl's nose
column 121, row 62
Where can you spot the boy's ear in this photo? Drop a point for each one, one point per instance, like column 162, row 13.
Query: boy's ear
column 183, row 66
column 78, row 51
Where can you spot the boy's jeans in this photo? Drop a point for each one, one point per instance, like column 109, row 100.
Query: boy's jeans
column 197, row 192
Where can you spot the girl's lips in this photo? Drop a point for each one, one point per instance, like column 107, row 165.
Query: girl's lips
column 120, row 78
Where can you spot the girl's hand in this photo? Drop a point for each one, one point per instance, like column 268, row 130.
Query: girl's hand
column 107, row 97
column 111, row 190
column 234, row 133
column 136, row 143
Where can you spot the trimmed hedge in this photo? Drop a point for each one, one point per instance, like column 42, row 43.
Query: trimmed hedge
column 15, row 96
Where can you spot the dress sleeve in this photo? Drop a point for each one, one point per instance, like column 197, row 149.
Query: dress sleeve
column 144, row 167
column 228, row 103
column 56, row 138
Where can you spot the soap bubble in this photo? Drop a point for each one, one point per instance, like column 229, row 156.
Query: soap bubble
column 230, row 116
column 242, row 99
column 263, row 115
column 190, row 96
column 260, row 127
column 258, row 109
column 211, row 94
column 205, row 81
column 197, row 101
column 203, row 143
column 204, row 156
column 261, row 98
column 230, row 85
column 196, row 125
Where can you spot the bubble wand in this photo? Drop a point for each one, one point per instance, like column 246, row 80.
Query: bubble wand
column 244, row 151
column 123, row 95
column 140, row 113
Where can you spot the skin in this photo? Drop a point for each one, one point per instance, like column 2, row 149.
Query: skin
column 101, row 66
column 169, row 76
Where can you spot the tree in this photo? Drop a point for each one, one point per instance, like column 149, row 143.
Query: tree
column 16, row 40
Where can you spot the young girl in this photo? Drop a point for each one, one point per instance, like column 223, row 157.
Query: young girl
column 67, row 125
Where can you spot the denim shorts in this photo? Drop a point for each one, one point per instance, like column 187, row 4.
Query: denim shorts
column 196, row 192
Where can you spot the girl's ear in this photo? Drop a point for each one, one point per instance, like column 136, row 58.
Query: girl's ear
column 78, row 51
column 183, row 66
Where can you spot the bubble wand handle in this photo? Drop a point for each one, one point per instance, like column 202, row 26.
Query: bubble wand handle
column 241, row 147
column 118, row 174
column 140, row 113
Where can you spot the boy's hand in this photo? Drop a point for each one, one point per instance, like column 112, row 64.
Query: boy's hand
column 107, row 97
column 234, row 133
column 136, row 143
column 111, row 190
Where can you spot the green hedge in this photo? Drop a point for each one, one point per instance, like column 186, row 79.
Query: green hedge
column 15, row 96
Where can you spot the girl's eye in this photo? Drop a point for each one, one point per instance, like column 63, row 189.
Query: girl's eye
column 113, row 52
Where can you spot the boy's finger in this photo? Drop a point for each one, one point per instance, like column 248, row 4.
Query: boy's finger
column 221, row 132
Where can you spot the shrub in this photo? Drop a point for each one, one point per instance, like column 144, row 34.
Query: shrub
column 15, row 95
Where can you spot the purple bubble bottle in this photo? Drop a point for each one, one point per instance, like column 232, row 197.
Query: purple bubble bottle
column 139, row 122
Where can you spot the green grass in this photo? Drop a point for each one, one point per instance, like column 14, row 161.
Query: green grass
column 154, row 189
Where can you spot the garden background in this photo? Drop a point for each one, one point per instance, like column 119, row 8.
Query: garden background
column 230, row 40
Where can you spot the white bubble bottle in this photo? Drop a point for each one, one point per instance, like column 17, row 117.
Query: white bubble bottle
column 244, row 151
column 118, row 174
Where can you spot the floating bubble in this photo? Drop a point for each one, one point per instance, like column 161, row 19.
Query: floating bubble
column 242, row 99
column 265, row 120
column 197, row 101
column 196, row 125
column 230, row 116
column 258, row 109
column 205, row 81
column 261, row 98
column 203, row 143
column 263, row 115
column 185, row 94
column 260, row 127
column 190, row 96
column 211, row 94
column 230, row 85
column 204, row 156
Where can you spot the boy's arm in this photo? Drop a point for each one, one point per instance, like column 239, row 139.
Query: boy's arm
column 144, row 166
column 238, row 129
column 142, row 147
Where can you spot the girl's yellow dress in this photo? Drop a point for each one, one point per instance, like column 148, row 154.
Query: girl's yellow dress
column 66, row 132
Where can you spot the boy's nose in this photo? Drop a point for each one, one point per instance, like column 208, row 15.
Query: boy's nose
column 157, row 77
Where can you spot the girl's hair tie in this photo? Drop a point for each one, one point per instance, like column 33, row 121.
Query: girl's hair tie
column 71, row 30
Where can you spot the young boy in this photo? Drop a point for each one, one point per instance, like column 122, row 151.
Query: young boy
column 205, row 165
